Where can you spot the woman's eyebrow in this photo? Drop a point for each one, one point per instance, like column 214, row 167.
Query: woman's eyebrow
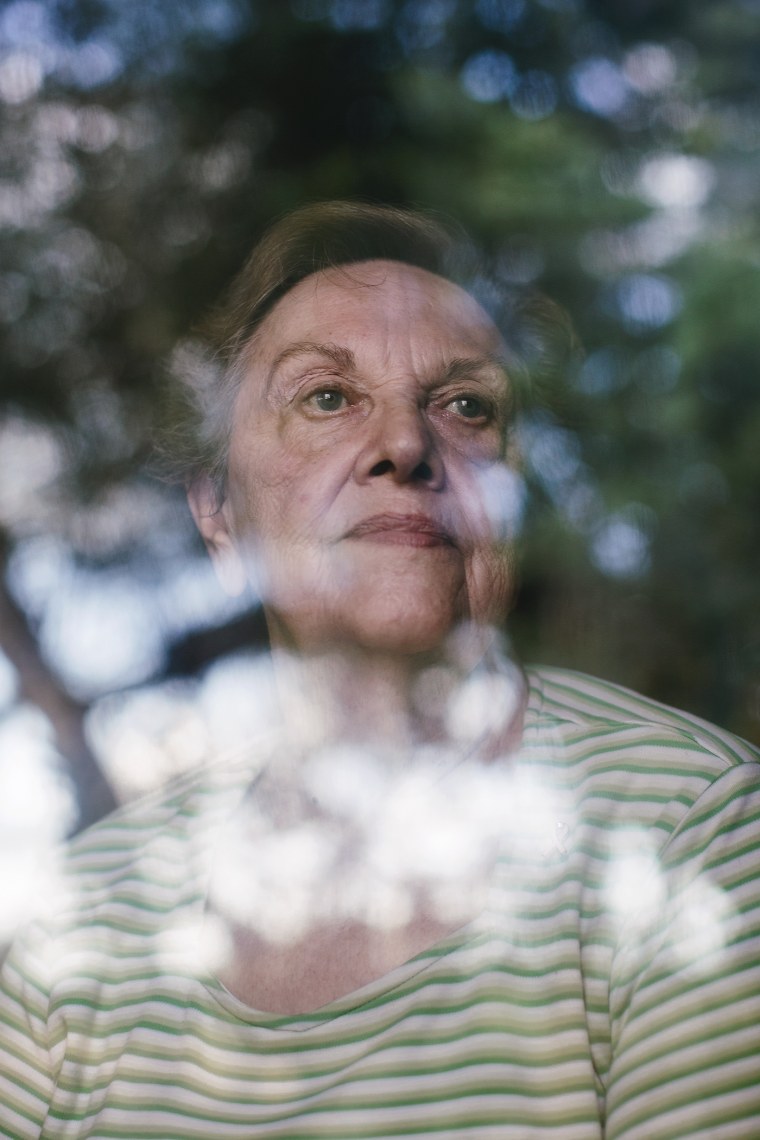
column 462, row 367
column 340, row 356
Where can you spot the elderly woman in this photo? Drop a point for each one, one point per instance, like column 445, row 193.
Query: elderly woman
column 442, row 897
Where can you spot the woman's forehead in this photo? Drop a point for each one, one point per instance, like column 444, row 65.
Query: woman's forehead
column 375, row 294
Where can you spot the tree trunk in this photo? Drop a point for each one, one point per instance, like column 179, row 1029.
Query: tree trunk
column 39, row 685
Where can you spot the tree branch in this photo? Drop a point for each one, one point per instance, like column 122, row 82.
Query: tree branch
column 39, row 685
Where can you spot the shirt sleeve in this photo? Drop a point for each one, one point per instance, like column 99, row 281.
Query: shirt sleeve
column 685, row 983
column 26, row 1060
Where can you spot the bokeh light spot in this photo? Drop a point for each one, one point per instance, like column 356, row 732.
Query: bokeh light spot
column 647, row 301
column 504, row 495
column 600, row 86
column 346, row 781
column 701, row 927
column 145, row 737
column 552, row 451
column 422, row 23
column 195, row 946
column 222, row 19
column 21, row 77
column 91, row 64
column 101, row 634
column 482, row 704
column 677, row 181
column 96, row 129
column 37, row 810
column 620, row 546
column 25, row 23
column 30, row 461
column 489, row 76
column 650, row 68
column 635, row 888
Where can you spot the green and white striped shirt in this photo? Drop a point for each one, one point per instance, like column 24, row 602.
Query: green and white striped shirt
column 611, row 987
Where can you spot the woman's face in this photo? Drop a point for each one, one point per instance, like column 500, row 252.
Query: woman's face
column 366, row 464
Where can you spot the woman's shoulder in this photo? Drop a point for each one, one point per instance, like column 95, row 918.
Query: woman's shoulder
column 600, row 708
column 152, row 847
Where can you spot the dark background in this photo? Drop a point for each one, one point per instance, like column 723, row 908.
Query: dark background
column 608, row 153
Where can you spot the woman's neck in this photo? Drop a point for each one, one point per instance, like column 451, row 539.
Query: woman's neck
column 466, row 697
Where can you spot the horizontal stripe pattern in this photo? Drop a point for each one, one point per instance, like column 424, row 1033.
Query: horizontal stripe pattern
column 611, row 987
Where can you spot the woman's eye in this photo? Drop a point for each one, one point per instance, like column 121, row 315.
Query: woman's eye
column 470, row 407
column 328, row 400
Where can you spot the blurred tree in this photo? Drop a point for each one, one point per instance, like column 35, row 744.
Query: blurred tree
column 608, row 153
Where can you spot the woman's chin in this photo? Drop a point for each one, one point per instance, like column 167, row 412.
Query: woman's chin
column 380, row 625
column 402, row 634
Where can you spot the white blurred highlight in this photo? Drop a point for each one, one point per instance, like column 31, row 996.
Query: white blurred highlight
column 701, row 925
column 37, row 809
column 30, row 461
column 502, row 495
column 650, row 68
column 21, row 77
column 196, row 946
column 696, row 915
column 635, row 890
column 272, row 880
column 115, row 636
column 620, row 546
column 424, row 831
column 676, row 181
column 147, row 736
column 345, row 781
column 356, row 840
column 237, row 700
column 482, row 704
column 600, row 86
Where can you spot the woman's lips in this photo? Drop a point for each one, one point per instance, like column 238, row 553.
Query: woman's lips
column 402, row 530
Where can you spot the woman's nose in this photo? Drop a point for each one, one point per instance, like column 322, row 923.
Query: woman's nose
column 400, row 443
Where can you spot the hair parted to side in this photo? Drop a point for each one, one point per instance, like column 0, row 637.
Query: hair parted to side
column 206, row 371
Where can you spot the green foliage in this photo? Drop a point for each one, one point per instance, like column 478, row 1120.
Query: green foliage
column 609, row 154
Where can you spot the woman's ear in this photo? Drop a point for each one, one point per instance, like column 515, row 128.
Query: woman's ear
column 211, row 520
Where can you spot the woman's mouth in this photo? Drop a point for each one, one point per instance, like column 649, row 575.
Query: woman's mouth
column 402, row 530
